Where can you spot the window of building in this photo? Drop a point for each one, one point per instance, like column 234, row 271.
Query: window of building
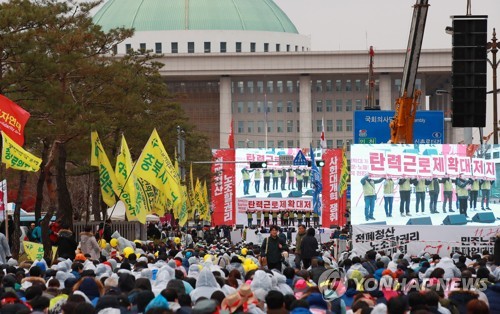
column 270, row 126
column 269, row 106
column 278, row 47
column 253, row 47
column 357, row 85
column 298, row 125
column 174, row 47
column 348, row 105
column 250, row 87
column 319, row 106
column 377, row 82
column 338, row 105
column 142, row 47
column 348, row 125
column 270, row 144
column 250, row 144
column 289, row 143
column 318, row 143
column 241, row 126
column 158, row 48
column 329, row 86
column 280, row 126
column 319, row 126
column 289, row 106
column 238, row 46
column 250, row 127
column 240, row 106
column 279, row 86
column 338, row 85
column 289, row 86
column 298, row 106
column 250, row 107
column 223, row 46
column 190, row 47
column 329, row 105
column 289, row 126
column 329, row 143
column 348, row 86
column 281, row 143
column 319, row 86
column 418, row 84
column 359, row 104
column 296, row 48
column 260, row 87
column 241, row 87
column 288, row 48
column 207, row 47
column 279, row 106
column 270, row 87
column 260, row 144
column 266, row 47
column 260, row 126
column 241, row 144
column 128, row 48
column 340, row 143
column 260, row 107
column 329, row 125
column 397, row 84
column 339, row 126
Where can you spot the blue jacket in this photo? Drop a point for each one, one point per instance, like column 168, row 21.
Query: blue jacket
column 493, row 295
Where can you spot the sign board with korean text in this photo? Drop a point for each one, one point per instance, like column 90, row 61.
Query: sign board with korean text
column 372, row 127
column 300, row 159
column 286, row 160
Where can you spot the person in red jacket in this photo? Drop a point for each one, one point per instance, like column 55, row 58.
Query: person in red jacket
column 54, row 227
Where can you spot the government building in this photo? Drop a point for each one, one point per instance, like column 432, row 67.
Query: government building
column 244, row 63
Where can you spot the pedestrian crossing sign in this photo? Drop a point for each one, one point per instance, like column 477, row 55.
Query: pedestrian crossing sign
column 300, row 159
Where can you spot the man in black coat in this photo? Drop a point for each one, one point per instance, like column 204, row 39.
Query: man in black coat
column 66, row 245
column 272, row 247
column 308, row 247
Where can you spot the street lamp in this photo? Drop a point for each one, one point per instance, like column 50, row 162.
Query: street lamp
column 492, row 46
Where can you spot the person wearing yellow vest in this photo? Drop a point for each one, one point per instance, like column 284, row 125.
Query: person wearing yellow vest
column 404, row 196
column 474, row 191
column 282, row 173
column 485, row 193
column 420, row 187
column 307, row 174
column 315, row 220
column 462, row 194
column 250, row 218
column 256, row 179
column 300, row 178
column 370, row 195
column 447, row 193
column 291, row 179
column 291, row 218
column 388, row 196
column 308, row 219
column 300, row 216
column 259, row 216
column 276, row 176
column 266, row 218
column 274, row 214
column 433, row 195
column 267, row 179
column 246, row 180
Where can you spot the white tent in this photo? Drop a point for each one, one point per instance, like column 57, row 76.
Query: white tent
column 117, row 213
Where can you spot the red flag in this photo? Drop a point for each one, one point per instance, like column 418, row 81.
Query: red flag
column 230, row 140
column 372, row 52
column 323, row 142
column 13, row 119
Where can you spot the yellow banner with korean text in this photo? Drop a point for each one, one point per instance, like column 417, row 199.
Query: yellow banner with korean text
column 107, row 178
column 16, row 157
column 35, row 251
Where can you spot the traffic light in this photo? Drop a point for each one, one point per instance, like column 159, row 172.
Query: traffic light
column 319, row 163
column 468, row 78
column 258, row 164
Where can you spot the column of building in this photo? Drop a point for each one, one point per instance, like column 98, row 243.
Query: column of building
column 225, row 112
column 305, row 117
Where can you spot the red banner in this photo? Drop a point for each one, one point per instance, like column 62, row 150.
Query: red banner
column 223, row 187
column 13, row 119
column 333, row 206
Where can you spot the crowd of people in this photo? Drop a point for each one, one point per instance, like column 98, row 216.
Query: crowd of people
column 200, row 270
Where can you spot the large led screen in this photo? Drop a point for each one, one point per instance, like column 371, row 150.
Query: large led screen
column 424, row 184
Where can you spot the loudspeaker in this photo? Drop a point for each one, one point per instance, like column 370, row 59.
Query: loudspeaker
column 420, row 221
column 309, row 193
column 295, row 194
column 239, row 226
column 376, row 223
column 455, row 220
column 469, row 66
column 275, row 195
column 487, row 217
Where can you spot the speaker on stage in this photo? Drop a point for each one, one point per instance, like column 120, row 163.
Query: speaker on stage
column 487, row 217
column 239, row 226
column 420, row 221
column 376, row 223
column 455, row 220
column 250, row 196
column 295, row 194
column 309, row 193
column 274, row 195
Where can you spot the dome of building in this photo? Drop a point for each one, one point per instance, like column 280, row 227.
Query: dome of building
column 176, row 15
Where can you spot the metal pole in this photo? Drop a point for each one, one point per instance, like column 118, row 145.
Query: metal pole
column 494, row 65
column 183, row 156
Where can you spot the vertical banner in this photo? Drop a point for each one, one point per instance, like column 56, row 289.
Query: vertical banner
column 3, row 200
column 223, row 187
column 333, row 206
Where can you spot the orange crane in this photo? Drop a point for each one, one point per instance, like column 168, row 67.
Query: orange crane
column 406, row 105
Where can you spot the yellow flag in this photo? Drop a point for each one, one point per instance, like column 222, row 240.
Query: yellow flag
column 35, row 251
column 107, row 178
column 15, row 157
column 145, row 196
column 126, row 184
column 154, row 166
column 198, row 199
column 183, row 213
column 344, row 174
column 206, row 203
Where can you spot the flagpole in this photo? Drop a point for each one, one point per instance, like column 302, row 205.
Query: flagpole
column 265, row 114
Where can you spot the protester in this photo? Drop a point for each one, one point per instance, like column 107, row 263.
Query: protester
column 88, row 243
column 309, row 247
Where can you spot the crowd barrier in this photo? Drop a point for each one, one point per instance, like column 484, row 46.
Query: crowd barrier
column 130, row 230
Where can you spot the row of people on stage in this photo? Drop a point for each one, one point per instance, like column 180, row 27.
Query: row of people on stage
column 467, row 191
column 288, row 218
column 297, row 179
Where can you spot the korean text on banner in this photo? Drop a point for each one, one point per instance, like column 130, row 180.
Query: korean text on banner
column 15, row 157
column 107, row 177
column 223, row 188
column 333, row 212
column 35, row 250
column 13, row 118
